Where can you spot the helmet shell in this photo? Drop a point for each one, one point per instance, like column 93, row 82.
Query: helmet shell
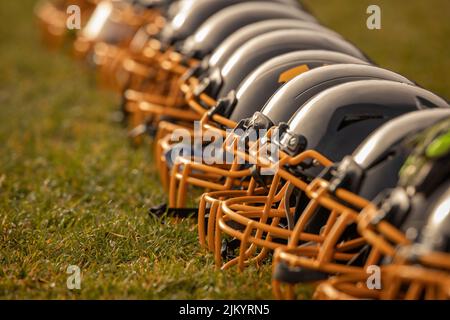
column 223, row 52
column 308, row 84
column 436, row 234
column 337, row 120
column 192, row 13
column 383, row 153
column 225, row 22
column 264, row 47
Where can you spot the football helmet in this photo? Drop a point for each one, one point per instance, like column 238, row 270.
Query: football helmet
column 329, row 126
column 251, row 96
column 109, row 57
column 210, row 35
column 141, row 76
column 249, row 99
column 410, row 228
column 163, row 50
column 279, row 108
column 337, row 202
column 191, row 14
column 202, row 95
column 227, row 21
column 138, row 114
column 111, row 25
column 231, row 44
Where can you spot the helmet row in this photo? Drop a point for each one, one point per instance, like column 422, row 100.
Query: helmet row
column 303, row 147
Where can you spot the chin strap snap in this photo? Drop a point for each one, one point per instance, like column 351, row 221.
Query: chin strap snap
column 287, row 206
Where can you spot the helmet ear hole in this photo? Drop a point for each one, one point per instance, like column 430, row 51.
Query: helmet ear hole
column 352, row 119
column 423, row 103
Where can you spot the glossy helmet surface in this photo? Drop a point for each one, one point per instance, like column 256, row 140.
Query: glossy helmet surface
column 410, row 226
column 252, row 95
column 265, row 80
column 220, row 82
column 247, row 33
column 112, row 22
column 218, row 27
column 303, row 88
column 192, row 13
column 328, row 127
column 213, row 31
column 332, row 196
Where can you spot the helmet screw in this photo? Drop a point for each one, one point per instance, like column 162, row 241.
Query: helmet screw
column 292, row 141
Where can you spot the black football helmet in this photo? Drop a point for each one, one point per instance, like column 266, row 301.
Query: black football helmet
column 252, row 95
column 408, row 228
column 328, row 127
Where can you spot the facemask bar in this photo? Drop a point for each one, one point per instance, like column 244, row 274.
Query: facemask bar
column 166, row 99
column 374, row 233
column 210, row 202
column 262, row 226
column 256, row 153
column 124, row 64
column 209, row 122
column 214, row 177
column 234, row 174
column 399, row 281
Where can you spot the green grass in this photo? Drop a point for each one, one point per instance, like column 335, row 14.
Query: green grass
column 413, row 41
column 73, row 192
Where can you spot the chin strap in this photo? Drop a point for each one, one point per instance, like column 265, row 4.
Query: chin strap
column 256, row 174
column 293, row 275
column 229, row 247
column 162, row 209
column 287, row 206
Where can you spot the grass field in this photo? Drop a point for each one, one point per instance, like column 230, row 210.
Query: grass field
column 73, row 192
